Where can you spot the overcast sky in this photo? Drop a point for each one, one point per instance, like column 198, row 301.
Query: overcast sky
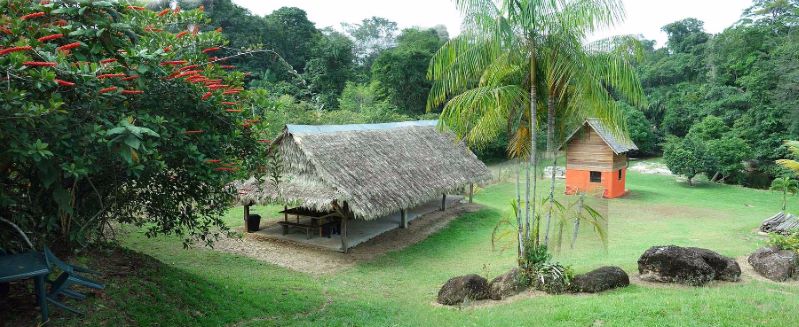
column 644, row 17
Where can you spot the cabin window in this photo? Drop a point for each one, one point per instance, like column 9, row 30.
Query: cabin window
column 596, row 177
column 620, row 174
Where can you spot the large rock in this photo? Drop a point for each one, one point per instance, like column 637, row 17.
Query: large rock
column 692, row 266
column 463, row 288
column 601, row 279
column 775, row 264
column 726, row 269
column 507, row 284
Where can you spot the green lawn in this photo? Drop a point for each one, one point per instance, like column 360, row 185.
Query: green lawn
column 207, row 288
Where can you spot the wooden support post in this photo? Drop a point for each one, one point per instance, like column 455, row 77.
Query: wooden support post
column 444, row 202
column 285, row 213
column 246, row 217
column 403, row 219
column 471, row 192
column 345, row 246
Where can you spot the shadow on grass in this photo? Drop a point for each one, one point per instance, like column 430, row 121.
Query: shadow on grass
column 142, row 291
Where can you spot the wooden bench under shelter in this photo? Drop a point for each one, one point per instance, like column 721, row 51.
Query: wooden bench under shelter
column 316, row 224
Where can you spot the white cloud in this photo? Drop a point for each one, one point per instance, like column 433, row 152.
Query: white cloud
column 644, row 17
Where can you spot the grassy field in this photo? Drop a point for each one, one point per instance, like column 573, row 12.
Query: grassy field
column 168, row 286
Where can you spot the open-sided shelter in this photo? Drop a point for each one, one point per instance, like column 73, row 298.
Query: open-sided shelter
column 596, row 158
column 367, row 171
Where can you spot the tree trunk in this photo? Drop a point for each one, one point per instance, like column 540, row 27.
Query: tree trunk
column 577, row 220
column 551, row 150
column 519, row 206
column 784, row 199
column 531, row 178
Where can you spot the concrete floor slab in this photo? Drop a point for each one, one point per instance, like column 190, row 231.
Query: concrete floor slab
column 359, row 231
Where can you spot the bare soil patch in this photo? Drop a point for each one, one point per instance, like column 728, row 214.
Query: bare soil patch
column 318, row 261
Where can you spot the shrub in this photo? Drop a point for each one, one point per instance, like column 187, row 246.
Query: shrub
column 115, row 113
column 784, row 242
column 543, row 274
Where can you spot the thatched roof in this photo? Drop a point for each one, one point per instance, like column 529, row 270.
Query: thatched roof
column 618, row 142
column 377, row 169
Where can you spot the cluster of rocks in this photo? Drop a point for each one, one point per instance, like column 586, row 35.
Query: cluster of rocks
column 467, row 288
column 665, row 264
column 475, row 288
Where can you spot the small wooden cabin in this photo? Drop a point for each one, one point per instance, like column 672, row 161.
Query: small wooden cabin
column 596, row 159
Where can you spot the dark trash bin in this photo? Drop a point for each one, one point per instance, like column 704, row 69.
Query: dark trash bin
column 253, row 223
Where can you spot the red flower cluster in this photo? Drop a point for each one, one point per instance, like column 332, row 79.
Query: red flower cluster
column 132, row 92
column 15, row 49
column 50, row 37
column 173, row 62
column 139, row 8
column 228, row 103
column 206, row 95
column 189, row 67
column 194, row 132
column 163, row 12
column 181, row 34
column 33, row 15
column 209, row 50
column 39, row 64
column 108, row 89
column 130, row 78
column 227, row 66
column 213, row 161
column 233, row 110
column 63, row 82
column 230, row 92
column 104, row 76
column 264, row 141
column 108, row 61
column 70, row 46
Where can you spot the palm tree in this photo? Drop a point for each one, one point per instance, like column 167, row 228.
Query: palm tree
column 786, row 185
column 515, row 57
column 577, row 79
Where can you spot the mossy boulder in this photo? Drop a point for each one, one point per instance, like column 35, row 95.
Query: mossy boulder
column 506, row 285
column 600, row 280
column 775, row 264
column 686, row 265
column 463, row 288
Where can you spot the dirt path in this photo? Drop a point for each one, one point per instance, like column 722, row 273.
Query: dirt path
column 317, row 261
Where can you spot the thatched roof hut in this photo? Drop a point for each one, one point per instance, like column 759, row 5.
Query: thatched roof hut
column 373, row 169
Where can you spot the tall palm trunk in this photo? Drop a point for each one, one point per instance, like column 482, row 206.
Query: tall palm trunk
column 518, row 207
column 530, row 198
column 551, row 150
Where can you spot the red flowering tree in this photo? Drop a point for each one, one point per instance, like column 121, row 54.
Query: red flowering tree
column 114, row 113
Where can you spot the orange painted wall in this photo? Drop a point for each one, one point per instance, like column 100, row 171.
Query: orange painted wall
column 580, row 180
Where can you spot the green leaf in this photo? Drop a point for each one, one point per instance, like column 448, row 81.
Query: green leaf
column 133, row 142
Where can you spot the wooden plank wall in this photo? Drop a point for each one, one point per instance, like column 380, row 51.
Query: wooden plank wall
column 587, row 151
